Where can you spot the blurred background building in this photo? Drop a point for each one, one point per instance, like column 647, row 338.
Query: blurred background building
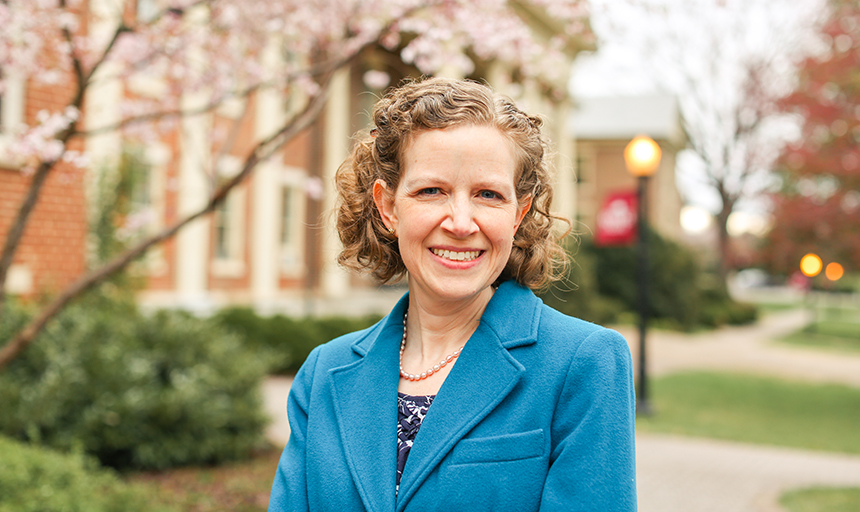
column 603, row 126
column 272, row 244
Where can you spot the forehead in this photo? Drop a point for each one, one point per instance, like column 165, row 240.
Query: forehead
column 480, row 149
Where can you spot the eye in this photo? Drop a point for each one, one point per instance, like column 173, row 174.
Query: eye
column 429, row 191
column 489, row 194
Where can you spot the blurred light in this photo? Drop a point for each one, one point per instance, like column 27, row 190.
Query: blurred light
column 834, row 271
column 695, row 220
column 642, row 156
column 377, row 80
column 740, row 223
column 810, row 265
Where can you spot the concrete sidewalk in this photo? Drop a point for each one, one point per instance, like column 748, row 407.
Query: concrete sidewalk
column 681, row 474
column 746, row 349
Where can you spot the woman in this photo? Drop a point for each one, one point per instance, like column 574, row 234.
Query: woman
column 500, row 403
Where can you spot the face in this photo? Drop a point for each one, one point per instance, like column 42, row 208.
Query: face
column 455, row 211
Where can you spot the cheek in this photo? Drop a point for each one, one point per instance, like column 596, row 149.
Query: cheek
column 420, row 216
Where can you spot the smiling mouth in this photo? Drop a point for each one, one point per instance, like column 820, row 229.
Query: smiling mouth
column 457, row 255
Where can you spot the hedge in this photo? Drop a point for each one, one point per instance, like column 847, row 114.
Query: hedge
column 282, row 341
column 681, row 294
column 134, row 391
column 36, row 479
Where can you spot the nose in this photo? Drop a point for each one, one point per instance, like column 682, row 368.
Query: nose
column 460, row 221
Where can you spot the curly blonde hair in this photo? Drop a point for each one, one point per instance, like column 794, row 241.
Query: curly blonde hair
column 537, row 258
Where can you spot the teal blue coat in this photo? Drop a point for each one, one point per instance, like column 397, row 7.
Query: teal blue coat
column 537, row 414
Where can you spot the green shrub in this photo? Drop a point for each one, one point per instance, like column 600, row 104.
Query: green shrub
column 282, row 341
column 34, row 479
column 577, row 295
column 606, row 288
column 719, row 309
column 134, row 391
column 673, row 273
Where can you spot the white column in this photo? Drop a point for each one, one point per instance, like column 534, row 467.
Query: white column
column 192, row 242
column 335, row 280
column 264, row 234
column 265, row 190
column 103, row 98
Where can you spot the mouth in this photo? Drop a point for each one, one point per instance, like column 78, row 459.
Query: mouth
column 457, row 255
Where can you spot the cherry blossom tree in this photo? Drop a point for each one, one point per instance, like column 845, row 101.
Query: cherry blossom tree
column 817, row 208
column 208, row 52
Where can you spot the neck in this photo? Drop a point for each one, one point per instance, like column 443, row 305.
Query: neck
column 436, row 329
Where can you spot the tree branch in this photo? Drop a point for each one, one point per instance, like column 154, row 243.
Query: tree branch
column 262, row 151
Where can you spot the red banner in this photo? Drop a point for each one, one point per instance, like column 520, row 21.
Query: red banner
column 617, row 218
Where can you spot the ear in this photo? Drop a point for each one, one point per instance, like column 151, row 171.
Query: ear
column 522, row 209
column 384, row 200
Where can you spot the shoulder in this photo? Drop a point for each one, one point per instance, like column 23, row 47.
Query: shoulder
column 557, row 328
column 580, row 336
column 583, row 342
column 547, row 339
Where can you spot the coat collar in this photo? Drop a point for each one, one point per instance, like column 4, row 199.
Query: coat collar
column 365, row 395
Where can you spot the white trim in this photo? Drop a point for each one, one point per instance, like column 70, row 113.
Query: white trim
column 11, row 115
column 19, row 280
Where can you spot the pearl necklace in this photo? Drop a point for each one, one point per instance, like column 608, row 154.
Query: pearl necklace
column 430, row 371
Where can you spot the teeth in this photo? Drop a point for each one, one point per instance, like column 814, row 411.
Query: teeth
column 456, row 256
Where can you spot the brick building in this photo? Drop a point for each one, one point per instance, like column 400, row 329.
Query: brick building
column 272, row 244
column 52, row 252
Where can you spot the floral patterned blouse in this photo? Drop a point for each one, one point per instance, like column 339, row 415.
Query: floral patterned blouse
column 410, row 413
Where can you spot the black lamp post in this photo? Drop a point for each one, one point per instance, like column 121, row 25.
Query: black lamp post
column 642, row 156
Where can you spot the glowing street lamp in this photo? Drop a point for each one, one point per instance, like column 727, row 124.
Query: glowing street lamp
column 810, row 265
column 642, row 157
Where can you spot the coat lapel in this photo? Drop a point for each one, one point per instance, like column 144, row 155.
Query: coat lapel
column 365, row 403
column 484, row 375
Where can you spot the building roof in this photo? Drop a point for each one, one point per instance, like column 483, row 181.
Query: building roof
column 624, row 117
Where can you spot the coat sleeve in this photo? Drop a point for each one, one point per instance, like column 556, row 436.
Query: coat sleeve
column 290, row 489
column 592, row 465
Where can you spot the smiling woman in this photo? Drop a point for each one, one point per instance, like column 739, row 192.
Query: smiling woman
column 471, row 393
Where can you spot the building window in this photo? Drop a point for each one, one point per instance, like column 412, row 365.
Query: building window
column 222, row 230
column 286, row 216
column 229, row 225
column 228, row 222
column 291, row 228
column 291, row 224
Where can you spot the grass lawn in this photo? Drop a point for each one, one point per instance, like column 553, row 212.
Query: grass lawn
column 757, row 410
column 828, row 335
column 238, row 487
column 829, row 332
column 822, row 499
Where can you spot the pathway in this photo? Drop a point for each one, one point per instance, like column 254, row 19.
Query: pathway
column 746, row 349
column 682, row 474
